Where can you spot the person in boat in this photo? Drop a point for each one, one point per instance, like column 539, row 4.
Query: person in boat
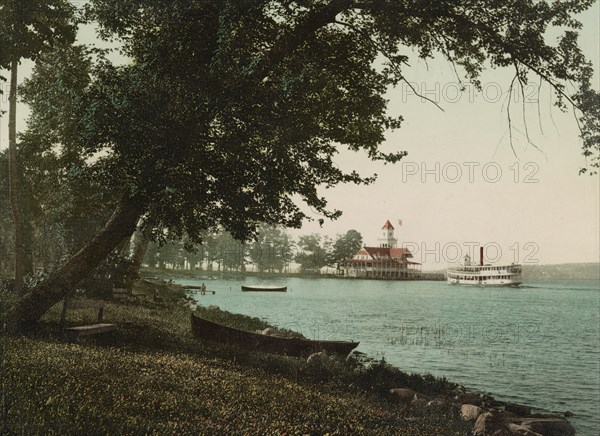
column 203, row 289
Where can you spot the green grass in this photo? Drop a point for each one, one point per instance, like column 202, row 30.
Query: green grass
column 152, row 376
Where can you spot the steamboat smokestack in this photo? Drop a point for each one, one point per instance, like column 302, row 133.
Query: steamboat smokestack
column 480, row 256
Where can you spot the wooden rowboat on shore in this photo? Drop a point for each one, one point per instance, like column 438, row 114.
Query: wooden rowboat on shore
column 296, row 347
column 263, row 288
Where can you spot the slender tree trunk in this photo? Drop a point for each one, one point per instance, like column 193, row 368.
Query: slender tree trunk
column 26, row 207
column 54, row 288
column 140, row 245
column 13, row 176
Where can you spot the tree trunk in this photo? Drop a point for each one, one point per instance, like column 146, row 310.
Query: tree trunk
column 140, row 245
column 13, row 183
column 56, row 286
column 26, row 208
column 123, row 247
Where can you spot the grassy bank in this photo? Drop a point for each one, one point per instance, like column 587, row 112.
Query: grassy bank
column 152, row 376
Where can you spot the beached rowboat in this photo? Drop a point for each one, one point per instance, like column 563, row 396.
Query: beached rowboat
column 263, row 288
column 214, row 332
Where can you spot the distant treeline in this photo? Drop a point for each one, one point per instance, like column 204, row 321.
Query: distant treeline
column 273, row 250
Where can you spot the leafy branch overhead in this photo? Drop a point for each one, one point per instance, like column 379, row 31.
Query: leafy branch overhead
column 30, row 27
column 228, row 112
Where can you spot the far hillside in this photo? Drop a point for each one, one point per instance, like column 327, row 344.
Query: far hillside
column 564, row 271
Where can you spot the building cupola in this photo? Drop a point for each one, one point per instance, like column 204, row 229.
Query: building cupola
column 387, row 239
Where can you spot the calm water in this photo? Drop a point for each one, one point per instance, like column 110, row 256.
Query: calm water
column 538, row 344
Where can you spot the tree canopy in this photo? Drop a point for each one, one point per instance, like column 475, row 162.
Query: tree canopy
column 30, row 27
column 229, row 113
column 229, row 109
column 346, row 246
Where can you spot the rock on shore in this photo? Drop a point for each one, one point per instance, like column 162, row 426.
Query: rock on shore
column 482, row 410
column 469, row 412
column 506, row 423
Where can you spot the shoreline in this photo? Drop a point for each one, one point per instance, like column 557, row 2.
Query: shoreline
column 481, row 409
column 517, row 411
column 158, row 273
column 152, row 375
column 531, row 274
column 486, row 414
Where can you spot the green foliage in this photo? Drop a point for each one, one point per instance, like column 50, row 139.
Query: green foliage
column 229, row 319
column 114, row 271
column 589, row 103
column 380, row 377
column 313, row 252
column 74, row 197
column 6, row 223
column 229, row 114
column 6, row 288
column 346, row 246
column 27, row 28
column 233, row 253
column 152, row 376
column 30, row 27
column 171, row 253
column 229, row 132
column 272, row 250
column 66, row 204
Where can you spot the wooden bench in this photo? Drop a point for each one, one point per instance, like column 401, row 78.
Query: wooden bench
column 120, row 294
column 73, row 333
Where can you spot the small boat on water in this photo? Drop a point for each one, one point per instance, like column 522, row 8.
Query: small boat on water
column 484, row 275
column 263, row 288
column 295, row 347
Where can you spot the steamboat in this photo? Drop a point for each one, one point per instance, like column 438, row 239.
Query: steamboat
column 470, row 273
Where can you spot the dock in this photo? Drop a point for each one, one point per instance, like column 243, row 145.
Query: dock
column 192, row 288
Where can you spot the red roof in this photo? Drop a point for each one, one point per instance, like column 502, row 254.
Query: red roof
column 378, row 262
column 387, row 253
column 400, row 252
column 388, row 225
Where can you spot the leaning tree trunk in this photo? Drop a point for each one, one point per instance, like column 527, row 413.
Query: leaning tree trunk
column 123, row 247
column 54, row 288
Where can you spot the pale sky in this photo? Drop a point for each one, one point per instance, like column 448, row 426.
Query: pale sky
column 461, row 182
column 537, row 209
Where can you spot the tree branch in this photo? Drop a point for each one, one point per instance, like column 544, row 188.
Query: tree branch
column 392, row 64
column 289, row 42
column 497, row 40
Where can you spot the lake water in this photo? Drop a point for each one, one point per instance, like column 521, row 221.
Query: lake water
column 538, row 344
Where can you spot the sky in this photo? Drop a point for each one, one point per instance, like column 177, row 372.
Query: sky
column 461, row 185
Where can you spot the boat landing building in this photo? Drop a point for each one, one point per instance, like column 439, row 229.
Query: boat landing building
column 386, row 261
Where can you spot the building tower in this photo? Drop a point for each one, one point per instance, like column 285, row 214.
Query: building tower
column 387, row 240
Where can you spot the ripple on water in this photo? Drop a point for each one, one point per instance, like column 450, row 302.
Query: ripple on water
column 537, row 344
